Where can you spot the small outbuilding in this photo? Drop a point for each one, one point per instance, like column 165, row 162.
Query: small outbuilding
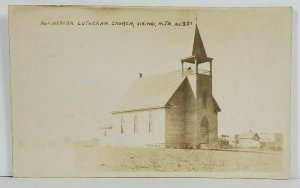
column 249, row 140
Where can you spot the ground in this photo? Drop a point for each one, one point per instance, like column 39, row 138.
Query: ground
column 89, row 159
column 93, row 158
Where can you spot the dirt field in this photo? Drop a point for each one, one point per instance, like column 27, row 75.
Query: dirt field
column 104, row 159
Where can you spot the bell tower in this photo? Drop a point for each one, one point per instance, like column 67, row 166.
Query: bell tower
column 200, row 79
column 198, row 55
column 203, row 131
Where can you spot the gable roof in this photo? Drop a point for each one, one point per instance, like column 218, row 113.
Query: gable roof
column 248, row 135
column 153, row 92
column 217, row 107
column 150, row 92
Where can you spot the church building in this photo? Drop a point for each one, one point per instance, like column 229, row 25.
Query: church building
column 176, row 109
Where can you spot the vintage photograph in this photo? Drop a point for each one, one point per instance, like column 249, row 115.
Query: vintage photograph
column 150, row 92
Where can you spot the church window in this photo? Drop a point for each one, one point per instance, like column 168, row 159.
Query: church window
column 150, row 123
column 135, row 126
column 204, row 99
column 204, row 122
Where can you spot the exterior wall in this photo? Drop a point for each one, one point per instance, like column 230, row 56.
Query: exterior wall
column 191, row 113
column 175, row 118
column 204, row 85
column 184, row 117
column 142, row 136
column 178, row 125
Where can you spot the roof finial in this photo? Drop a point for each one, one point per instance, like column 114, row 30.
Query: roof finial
column 196, row 18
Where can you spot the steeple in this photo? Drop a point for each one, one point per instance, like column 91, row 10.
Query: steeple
column 198, row 47
column 198, row 54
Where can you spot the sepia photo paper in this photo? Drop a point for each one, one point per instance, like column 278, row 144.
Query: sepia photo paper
column 150, row 92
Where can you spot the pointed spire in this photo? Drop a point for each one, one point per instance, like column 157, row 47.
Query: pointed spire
column 198, row 54
column 198, row 48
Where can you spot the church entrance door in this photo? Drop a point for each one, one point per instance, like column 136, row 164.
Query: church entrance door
column 203, row 133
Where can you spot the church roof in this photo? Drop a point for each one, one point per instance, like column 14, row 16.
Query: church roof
column 217, row 107
column 150, row 92
column 153, row 92
column 248, row 135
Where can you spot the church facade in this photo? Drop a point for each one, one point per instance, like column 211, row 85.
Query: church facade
column 176, row 109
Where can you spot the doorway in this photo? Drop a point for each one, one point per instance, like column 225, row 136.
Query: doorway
column 203, row 133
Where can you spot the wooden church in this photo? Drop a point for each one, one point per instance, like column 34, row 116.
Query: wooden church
column 175, row 109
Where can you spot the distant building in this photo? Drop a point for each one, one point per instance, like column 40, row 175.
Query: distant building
column 175, row 109
column 224, row 141
column 271, row 141
column 236, row 140
column 248, row 140
column 106, row 130
column 278, row 141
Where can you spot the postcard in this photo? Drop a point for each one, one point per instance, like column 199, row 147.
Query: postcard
column 150, row 91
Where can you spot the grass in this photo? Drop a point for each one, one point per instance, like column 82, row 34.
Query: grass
column 94, row 158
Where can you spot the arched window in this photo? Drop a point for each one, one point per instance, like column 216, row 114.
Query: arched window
column 204, row 98
column 150, row 123
column 122, row 124
column 204, row 122
column 135, row 126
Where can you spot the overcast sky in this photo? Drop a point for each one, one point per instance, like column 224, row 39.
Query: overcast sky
column 77, row 73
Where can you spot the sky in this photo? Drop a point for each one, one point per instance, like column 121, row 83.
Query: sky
column 67, row 79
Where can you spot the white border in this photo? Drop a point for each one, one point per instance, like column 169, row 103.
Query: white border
column 5, row 128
